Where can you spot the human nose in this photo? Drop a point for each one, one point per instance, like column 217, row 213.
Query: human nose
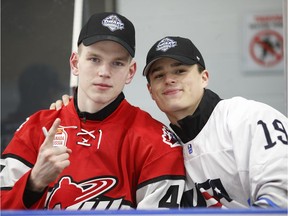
column 169, row 78
column 104, row 70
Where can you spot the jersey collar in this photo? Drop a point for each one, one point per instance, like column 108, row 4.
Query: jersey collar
column 101, row 114
column 191, row 125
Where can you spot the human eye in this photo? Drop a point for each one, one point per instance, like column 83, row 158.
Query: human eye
column 180, row 70
column 93, row 59
column 157, row 75
column 118, row 63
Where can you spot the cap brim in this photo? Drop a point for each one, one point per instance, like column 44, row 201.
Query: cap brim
column 176, row 57
column 97, row 38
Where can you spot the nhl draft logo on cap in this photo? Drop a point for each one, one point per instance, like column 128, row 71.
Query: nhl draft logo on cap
column 166, row 44
column 113, row 23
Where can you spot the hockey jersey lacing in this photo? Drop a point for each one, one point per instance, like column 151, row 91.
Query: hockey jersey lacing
column 84, row 141
column 100, row 137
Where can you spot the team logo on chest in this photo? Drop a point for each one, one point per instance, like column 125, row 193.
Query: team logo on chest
column 60, row 138
column 69, row 193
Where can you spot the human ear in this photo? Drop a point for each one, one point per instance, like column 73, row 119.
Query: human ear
column 74, row 58
column 205, row 78
column 132, row 71
column 150, row 90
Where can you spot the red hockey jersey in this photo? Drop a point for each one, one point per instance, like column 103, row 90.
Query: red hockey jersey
column 128, row 160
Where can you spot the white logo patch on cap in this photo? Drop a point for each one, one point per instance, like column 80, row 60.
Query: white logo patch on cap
column 166, row 44
column 113, row 23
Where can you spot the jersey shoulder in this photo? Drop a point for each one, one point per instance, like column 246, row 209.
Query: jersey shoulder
column 153, row 130
column 242, row 106
column 44, row 118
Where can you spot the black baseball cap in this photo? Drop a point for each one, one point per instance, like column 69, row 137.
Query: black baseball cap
column 109, row 26
column 178, row 48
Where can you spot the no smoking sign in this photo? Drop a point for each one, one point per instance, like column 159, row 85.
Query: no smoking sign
column 263, row 44
column 266, row 48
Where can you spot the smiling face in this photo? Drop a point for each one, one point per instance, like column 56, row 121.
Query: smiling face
column 103, row 69
column 176, row 88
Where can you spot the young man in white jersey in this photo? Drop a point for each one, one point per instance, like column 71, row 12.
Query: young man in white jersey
column 235, row 150
column 98, row 152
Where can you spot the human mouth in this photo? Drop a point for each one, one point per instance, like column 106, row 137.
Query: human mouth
column 102, row 85
column 171, row 91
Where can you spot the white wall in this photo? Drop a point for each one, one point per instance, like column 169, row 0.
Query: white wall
column 216, row 27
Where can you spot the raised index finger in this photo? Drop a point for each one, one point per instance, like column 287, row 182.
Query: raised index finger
column 51, row 133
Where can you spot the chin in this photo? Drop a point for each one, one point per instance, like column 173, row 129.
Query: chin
column 170, row 108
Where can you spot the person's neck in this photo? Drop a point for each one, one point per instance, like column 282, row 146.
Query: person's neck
column 88, row 105
column 191, row 125
column 176, row 116
column 100, row 114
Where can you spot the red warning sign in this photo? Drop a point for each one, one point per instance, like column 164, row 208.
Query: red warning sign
column 266, row 48
column 263, row 48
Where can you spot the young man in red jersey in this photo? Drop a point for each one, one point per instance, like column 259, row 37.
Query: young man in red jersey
column 99, row 151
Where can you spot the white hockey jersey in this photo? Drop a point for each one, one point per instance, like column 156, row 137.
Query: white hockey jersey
column 235, row 154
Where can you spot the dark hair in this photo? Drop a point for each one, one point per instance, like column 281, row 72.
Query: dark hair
column 200, row 70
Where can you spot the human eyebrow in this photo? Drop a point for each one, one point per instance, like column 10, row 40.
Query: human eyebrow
column 173, row 65
column 122, row 59
column 155, row 69
column 177, row 64
column 92, row 55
